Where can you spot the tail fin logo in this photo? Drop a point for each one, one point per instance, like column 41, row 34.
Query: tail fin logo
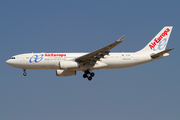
column 162, row 43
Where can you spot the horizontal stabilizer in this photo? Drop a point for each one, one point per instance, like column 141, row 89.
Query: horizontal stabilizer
column 160, row 53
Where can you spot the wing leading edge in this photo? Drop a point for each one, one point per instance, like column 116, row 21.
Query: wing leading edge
column 92, row 57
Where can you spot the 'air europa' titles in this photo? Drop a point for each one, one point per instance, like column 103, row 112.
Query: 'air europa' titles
column 54, row 55
column 156, row 40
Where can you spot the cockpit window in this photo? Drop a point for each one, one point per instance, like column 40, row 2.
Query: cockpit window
column 12, row 57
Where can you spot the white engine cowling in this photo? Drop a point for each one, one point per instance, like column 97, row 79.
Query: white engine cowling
column 65, row 72
column 68, row 64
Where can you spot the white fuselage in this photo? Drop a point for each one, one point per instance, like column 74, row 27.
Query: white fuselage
column 66, row 64
column 52, row 60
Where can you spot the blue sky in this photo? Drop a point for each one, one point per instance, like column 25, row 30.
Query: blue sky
column 149, row 91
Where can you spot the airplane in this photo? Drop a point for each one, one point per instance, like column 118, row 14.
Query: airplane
column 66, row 64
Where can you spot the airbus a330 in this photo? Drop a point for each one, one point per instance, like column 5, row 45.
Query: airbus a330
column 66, row 64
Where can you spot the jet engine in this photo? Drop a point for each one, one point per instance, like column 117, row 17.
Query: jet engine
column 68, row 64
column 65, row 72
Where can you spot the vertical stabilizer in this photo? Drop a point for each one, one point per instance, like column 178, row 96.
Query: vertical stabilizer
column 159, row 42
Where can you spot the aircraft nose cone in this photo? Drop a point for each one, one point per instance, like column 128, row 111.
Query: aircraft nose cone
column 11, row 62
column 7, row 61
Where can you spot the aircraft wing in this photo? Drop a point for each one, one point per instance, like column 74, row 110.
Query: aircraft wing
column 92, row 57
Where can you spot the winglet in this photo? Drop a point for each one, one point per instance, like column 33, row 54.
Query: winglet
column 121, row 39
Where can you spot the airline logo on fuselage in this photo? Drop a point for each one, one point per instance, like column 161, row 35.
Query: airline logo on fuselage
column 55, row 55
column 38, row 58
column 157, row 40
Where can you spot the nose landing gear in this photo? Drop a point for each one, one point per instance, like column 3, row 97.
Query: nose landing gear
column 24, row 72
column 87, row 74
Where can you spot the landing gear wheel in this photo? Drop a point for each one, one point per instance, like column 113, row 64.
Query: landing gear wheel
column 92, row 74
column 24, row 73
column 88, row 74
column 89, row 78
column 85, row 76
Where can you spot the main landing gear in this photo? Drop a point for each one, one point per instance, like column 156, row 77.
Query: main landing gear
column 88, row 75
column 24, row 72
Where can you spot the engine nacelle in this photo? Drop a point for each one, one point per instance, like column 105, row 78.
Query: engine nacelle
column 68, row 64
column 65, row 72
